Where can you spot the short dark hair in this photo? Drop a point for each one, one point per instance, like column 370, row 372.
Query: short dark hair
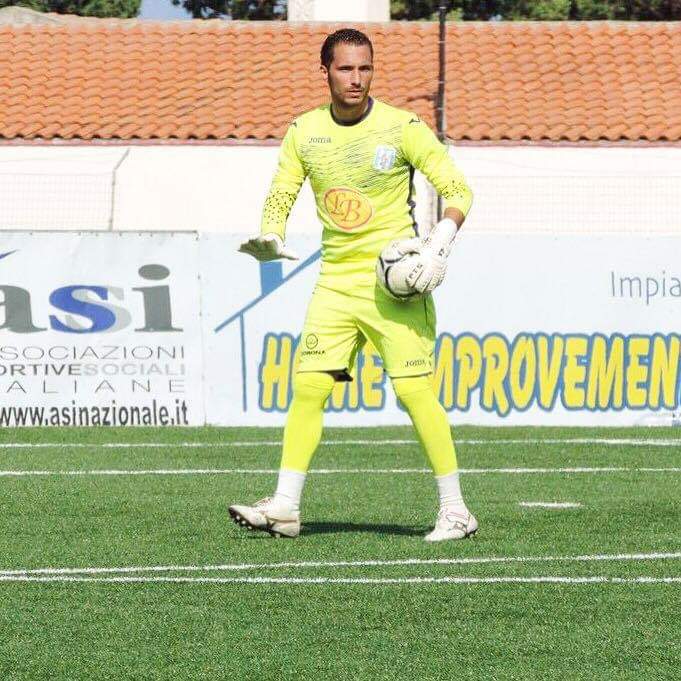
column 350, row 36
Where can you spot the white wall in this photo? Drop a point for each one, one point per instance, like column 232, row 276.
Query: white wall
column 221, row 188
column 333, row 10
column 572, row 189
column 57, row 187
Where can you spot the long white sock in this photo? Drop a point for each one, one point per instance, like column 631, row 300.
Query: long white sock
column 449, row 490
column 289, row 489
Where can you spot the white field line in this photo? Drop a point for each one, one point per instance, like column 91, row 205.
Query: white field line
column 334, row 471
column 231, row 567
column 637, row 442
column 549, row 504
column 351, row 580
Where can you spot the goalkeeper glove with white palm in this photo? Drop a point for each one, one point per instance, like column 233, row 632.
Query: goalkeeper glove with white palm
column 433, row 266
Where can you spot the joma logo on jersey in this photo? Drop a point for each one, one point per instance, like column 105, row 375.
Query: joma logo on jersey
column 347, row 208
column 384, row 158
column 319, row 140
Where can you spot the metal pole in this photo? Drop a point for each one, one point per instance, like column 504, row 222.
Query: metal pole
column 113, row 188
column 440, row 109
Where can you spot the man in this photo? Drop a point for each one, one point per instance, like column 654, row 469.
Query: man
column 359, row 155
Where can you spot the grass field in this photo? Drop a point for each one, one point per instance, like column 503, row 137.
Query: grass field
column 118, row 560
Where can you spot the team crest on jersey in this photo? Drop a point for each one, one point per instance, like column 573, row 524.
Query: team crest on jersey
column 347, row 207
column 384, row 158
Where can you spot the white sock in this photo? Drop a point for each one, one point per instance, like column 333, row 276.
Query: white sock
column 449, row 490
column 289, row 489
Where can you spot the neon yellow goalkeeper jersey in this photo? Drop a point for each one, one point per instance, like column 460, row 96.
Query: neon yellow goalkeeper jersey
column 362, row 176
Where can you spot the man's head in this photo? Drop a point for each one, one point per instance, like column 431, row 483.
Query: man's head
column 347, row 64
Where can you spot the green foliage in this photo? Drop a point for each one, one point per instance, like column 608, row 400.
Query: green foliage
column 423, row 9
column 234, row 9
column 635, row 10
column 408, row 10
column 197, row 9
column 122, row 9
column 540, row 10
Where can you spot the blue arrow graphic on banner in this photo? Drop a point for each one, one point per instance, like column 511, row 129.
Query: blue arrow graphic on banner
column 306, row 263
column 271, row 276
column 271, row 279
column 4, row 255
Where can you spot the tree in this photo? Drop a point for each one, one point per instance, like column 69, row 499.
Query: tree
column 423, row 9
column 540, row 10
column 409, row 10
column 234, row 9
column 123, row 9
column 467, row 10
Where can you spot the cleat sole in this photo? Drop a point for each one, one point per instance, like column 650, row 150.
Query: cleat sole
column 242, row 522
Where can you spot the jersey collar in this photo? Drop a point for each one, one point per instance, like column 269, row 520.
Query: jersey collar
column 357, row 120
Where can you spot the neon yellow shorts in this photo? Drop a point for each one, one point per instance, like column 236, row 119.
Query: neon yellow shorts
column 337, row 325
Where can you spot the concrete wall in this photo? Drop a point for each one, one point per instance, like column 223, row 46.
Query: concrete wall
column 221, row 188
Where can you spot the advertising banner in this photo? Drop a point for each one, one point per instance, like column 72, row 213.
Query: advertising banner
column 532, row 329
column 177, row 329
column 100, row 329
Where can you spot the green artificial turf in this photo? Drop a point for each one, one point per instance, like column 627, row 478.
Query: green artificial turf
column 323, row 629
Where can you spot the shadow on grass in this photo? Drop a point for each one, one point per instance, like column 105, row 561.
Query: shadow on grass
column 338, row 528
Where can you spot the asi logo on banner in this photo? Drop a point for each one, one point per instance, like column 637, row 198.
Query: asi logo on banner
column 91, row 302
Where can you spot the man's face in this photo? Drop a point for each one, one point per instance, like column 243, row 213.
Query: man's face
column 349, row 74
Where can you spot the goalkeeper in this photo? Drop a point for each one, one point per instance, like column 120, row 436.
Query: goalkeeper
column 359, row 155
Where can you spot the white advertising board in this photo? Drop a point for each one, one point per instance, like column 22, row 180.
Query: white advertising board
column 100, row 329
column 177, row 329
column 532, row 329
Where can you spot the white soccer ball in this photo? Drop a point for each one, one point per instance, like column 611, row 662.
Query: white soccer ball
column 392, row 269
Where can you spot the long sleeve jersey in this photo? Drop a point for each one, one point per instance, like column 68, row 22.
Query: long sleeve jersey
column 362, row 176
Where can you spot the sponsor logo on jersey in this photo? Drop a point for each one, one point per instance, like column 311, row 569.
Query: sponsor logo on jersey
column 319, row 140
column 384, row 158
column 311, row 341
column 347, row 208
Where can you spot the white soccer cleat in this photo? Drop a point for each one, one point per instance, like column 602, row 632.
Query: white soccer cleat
column 264, row 515
column 453, row 524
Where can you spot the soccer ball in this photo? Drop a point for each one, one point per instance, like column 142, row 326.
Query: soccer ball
column 392, row 268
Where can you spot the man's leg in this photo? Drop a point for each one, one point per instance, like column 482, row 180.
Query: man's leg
column 302, row 433
column 329, row 344
column 432, row 426
column 404, row 335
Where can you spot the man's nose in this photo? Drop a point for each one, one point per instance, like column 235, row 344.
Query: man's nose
column 356, row 78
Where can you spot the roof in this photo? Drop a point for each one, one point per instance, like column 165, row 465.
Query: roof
column 219, row 80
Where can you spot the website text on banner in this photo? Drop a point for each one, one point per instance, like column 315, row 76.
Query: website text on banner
column 100, row 329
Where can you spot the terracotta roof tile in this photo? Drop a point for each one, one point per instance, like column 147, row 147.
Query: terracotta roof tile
column 216, row 80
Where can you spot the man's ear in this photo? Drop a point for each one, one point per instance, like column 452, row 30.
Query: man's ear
column 325, row 73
